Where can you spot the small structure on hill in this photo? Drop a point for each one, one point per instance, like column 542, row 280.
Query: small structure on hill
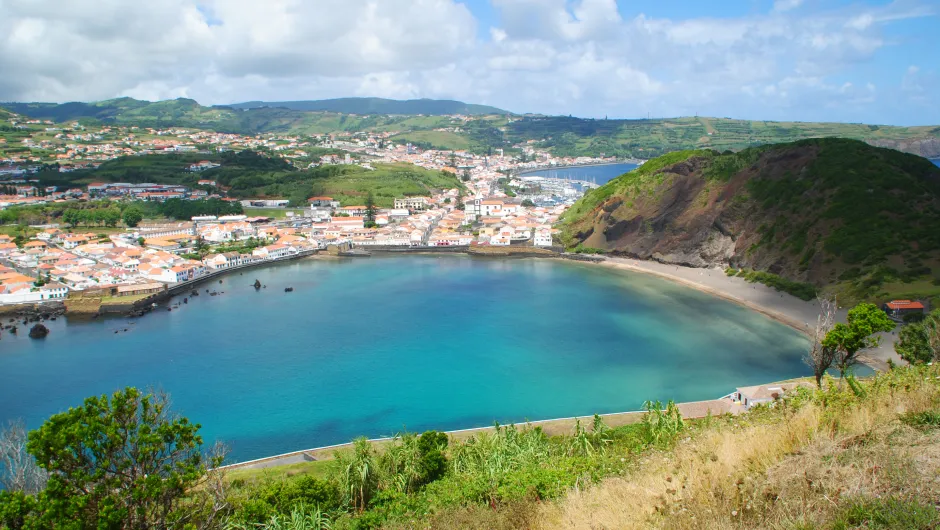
column 898, row 309
column 750, row 396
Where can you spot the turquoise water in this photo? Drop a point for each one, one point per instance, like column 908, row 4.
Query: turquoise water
column 599, row 174
column 374, row 346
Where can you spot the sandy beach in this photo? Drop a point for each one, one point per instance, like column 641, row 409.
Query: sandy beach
column 783, row 307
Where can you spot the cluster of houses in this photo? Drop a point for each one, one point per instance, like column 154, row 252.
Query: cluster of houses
column 435, row 220
column 146, row 192
column 60, row 261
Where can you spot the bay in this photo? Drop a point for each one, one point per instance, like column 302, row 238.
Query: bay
column 379, row 345
column 600, row 174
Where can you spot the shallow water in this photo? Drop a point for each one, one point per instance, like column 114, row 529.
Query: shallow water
column 374, row 346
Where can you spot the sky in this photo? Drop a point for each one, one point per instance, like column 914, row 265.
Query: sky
column 870, row 61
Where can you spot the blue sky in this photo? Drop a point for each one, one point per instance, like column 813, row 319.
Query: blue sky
column 872, row 61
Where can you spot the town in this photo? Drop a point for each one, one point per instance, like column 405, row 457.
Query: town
column 497, row 205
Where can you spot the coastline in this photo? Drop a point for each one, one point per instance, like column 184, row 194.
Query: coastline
column 554, row 426
column 782, row 307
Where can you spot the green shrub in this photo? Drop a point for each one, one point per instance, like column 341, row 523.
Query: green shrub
column 888, row 514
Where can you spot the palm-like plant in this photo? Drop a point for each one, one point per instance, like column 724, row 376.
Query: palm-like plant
column 493, row 455
column 358, row 474
column 401, row 464
column 662, row 424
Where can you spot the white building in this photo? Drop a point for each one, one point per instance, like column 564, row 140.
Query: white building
column 543, row 237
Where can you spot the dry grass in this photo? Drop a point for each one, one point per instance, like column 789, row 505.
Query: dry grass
column 794, row 467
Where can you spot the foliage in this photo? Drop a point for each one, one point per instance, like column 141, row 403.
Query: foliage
column 888, row 514
column 358, row 475
column 299, row 518
column 186, row 210
column 859, row 333
column 929, row 419
column 662, row 425
column 919, row 341
column 123, row 461
column 801, row 290
column 132, row 217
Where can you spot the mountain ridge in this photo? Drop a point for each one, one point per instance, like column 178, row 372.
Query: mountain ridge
column 561, row 135
column 370, row 105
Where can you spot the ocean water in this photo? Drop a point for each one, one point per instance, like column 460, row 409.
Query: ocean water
column 936, row 161
column 375, row 346
column 599, row 174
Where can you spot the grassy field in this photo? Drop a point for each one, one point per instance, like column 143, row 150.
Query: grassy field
column 318, row 469
column 436, row 139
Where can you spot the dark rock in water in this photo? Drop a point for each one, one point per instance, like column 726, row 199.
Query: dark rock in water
column 257, row 284
column 115, row 332
column 289, row 290
column 220, row 281
column 13, row 330
column 169, row 309
column 38, row 332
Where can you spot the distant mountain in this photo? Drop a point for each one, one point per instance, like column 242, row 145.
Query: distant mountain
column 490, row 129
column 430, row 107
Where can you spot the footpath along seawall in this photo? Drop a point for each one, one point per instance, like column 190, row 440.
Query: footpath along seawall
column 552, row 427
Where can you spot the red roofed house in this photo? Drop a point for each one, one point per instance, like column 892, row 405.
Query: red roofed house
column 901, row 308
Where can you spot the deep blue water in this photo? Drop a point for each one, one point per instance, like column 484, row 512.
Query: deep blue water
column 600, row 174
column 936, row 161
column 374, row 346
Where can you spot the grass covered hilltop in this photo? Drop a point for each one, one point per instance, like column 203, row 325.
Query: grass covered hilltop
column 854, row 454
column 480, row 129
column 824, row 213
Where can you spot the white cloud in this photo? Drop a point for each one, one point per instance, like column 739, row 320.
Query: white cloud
column 786, row 5
column 584, row 57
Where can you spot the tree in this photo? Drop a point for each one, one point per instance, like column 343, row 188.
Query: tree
column 120, row 462
column 357, row 474
column 819, row 357
column 18, row 470
column 133, row 216
column 465, row 176
column 864, row 321
column 71, row 217
column 919, row 342
column 453, row 159
column 528, row 203
column 369, row 221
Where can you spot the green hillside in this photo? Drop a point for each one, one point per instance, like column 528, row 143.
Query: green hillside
column 247, row 174
column 832, row 213
column 563, row 136
column 651, row 138
column 433, row 107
